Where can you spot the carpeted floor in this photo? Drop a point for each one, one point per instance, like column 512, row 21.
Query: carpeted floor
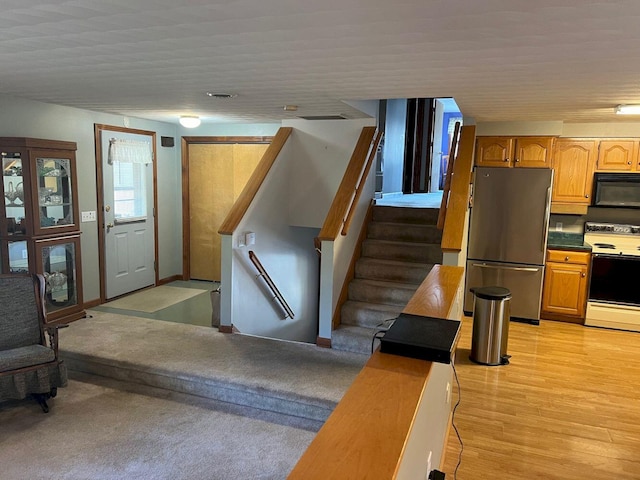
column 237, row 368
column 109, row 428
column 105, row 429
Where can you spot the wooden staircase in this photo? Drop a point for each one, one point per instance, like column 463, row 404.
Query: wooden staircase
column 401, row 247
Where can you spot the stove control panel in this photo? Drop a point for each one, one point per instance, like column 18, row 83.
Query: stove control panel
column 614, row 228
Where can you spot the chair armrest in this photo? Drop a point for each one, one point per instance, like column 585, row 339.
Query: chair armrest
column 52, row 331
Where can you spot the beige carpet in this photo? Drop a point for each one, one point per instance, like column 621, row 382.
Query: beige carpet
column 154, row 299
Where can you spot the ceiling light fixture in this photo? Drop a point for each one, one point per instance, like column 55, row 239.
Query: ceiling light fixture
column 190, row 121
column 628, row 109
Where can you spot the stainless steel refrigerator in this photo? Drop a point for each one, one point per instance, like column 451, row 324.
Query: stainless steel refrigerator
column 508, row 235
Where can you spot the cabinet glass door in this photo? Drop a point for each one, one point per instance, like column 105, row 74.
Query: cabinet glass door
column 55, row 198
column 13, row 190
column 18, row 257
column 59, row 270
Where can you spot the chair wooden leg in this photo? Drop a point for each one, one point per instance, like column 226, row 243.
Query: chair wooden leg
column 42, row 401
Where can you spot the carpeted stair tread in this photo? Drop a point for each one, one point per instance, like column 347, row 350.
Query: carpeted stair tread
column 365, row 314
column 392, row 270
column 351, row 338
column 403, row 251
column 403, row 232
column 405, row 214
column 286, row 377
column 392, row 293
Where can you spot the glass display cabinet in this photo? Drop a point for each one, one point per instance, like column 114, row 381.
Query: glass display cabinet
column 39, row 227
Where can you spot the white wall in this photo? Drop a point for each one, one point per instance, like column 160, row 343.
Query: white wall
column 302, row 184
column 393, row 151
column 288, row 255
column 322, row 150
column 26, row 118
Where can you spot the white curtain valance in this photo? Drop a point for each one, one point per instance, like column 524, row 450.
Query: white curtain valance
column 129, row 151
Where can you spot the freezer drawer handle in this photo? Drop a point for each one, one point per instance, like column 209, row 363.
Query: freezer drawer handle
column 517, row 269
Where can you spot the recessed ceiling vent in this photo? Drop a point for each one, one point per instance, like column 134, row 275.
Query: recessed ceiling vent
column 324, row 117
column 221, row 95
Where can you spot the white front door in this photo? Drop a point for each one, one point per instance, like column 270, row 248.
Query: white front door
column 128, row 220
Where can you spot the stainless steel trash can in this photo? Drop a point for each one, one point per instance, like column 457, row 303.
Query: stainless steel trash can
column 491, row 315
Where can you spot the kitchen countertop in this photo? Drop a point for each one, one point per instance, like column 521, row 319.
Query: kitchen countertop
column 567, row 241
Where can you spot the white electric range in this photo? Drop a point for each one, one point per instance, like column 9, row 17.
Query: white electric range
column 614, row 287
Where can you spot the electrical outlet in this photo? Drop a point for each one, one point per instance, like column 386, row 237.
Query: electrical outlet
column 250, row 238
column 558, row 226
column 429, row 465
column 241, row 241
column 448, row 392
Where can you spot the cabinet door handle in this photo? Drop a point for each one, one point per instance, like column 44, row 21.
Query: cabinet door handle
column 629, row 162
column 586, row 196
column 517, row 159
column 566, row 259
column 583, row 274
column 507, row 160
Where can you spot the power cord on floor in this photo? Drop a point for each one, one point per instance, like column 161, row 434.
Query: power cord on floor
column 453, row 424
column 381, row 330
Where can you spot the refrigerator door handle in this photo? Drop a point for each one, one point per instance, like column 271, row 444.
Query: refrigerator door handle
column 547, row 216
column 496, row 267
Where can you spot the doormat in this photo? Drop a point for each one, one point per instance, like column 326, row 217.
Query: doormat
column 154, row 299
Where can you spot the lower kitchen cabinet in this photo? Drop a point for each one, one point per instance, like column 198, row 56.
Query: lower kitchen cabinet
column 564, row 296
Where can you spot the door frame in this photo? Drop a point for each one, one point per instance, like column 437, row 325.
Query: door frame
column 186, row 217
column 98, row 129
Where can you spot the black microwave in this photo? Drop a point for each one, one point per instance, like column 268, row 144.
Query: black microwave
column 616, row 190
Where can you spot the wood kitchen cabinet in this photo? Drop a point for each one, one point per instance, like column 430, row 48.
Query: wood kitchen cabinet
column 574, row 162
column 618, row 155
column 39, row 222
column 527, row 152
column 564, row 296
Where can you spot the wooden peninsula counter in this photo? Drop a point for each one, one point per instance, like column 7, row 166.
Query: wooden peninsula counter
column 393, row 421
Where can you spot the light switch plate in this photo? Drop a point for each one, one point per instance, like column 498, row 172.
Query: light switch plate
column 250, row 238
column 88, row 216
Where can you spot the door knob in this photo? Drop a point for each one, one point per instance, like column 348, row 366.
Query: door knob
column 109, row 225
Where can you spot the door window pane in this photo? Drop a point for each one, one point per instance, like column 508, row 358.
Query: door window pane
column 129, row 190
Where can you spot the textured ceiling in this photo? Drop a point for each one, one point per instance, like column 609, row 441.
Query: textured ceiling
column 570, row 60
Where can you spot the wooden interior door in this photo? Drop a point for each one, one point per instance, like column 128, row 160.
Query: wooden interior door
column 217, row 175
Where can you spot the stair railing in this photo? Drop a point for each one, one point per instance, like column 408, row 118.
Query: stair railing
column 272, row 286
column 342, row 208
column 447, row 182
column 459, row 192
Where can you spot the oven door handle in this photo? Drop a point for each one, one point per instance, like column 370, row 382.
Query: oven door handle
column 496, row 267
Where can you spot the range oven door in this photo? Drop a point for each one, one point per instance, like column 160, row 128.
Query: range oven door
column 614, row 279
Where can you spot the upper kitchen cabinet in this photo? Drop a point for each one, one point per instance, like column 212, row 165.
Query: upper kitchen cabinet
column 528, row 152
column 574, row 162
column 618, row 155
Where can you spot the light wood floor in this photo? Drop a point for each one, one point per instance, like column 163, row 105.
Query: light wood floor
column 567, row 407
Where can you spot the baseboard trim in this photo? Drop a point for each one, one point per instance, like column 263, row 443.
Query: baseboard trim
column 323, row 342
column 91, row 303
column 226, row 328
column 172, row 278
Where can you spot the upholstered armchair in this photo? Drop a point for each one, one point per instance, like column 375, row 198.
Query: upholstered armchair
column 29, row 363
